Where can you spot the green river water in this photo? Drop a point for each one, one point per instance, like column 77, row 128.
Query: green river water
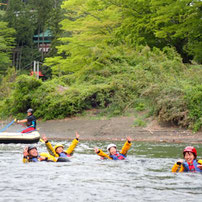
column 144, row 176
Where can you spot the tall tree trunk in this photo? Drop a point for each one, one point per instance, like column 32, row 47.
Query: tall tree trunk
column 42, row 46
column 38, row 36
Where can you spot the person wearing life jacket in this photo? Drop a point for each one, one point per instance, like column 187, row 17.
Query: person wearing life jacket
column 58, row 150
column 190, row 162
column 113, row 153
column 30, row 122
column 30, row 154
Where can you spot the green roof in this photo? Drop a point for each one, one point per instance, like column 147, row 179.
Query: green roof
column 42, row 41
column 47, row 33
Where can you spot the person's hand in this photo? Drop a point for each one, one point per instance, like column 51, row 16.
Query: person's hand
column 77, row 135
column 44, row 138
column 180, row 161
column 96, row 150
column 199, row 166
column 42, row 158
column 129, row 138
column 25, row 152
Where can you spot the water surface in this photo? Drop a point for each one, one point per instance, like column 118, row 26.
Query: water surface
column 144, row 176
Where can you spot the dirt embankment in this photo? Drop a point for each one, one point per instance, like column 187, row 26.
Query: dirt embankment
column 115, row 129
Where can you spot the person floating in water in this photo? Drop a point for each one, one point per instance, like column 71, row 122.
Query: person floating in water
column 58, row 150
column 30, row 122
column 190, row 162
column 31, row 154
column 113, row 153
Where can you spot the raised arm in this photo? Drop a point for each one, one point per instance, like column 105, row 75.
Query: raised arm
column 49, row 146
column 73, row 144
column 126, row 146
column 25, row 155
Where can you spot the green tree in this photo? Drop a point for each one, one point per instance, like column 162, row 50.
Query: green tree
column 6, row 44
column 163, row 23
column 91, row 24
column 29, row 18
column 53, row 23
column 95, row 23
column 179, row 23
column 22, row 18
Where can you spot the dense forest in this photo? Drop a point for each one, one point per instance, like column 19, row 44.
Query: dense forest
column 113, row 55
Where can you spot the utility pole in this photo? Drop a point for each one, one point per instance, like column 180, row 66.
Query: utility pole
column 42, row 44
column 8, row 4
column 34, row 69
column 37, row 73
column 55, row 3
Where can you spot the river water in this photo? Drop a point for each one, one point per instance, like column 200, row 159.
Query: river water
column 144, row 176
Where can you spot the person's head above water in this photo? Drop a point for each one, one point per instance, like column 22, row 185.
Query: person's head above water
column 189, row 153
column 32, row 151
column 59, row 148
column 111, row 148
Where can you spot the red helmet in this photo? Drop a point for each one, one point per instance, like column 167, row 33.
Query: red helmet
column 190, row 149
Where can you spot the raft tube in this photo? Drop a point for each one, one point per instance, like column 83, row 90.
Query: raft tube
column 24, row 138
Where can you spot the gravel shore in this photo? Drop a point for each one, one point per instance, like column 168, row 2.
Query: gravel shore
column 115, row 129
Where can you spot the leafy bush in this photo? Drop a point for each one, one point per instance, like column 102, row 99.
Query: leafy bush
column 6, row 83
column 120, row 79
column 20, row 98
column 193, row 97
column 139, row 123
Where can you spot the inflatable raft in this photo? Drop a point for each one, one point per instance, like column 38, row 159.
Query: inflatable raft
column 26, row 138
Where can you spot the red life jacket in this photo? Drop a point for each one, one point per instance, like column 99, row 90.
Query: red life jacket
column 118, row 156
column 191, row 167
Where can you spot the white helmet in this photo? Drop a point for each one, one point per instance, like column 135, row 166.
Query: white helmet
column 110, row 145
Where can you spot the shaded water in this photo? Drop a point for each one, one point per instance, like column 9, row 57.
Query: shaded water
column 145, row 176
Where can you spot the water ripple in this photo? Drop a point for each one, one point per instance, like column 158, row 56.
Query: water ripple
column 145, row 176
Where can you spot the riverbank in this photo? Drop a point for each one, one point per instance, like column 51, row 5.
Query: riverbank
column 115, row 129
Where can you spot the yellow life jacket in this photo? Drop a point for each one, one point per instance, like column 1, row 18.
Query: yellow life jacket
column 69, row 151
column 37, row 159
